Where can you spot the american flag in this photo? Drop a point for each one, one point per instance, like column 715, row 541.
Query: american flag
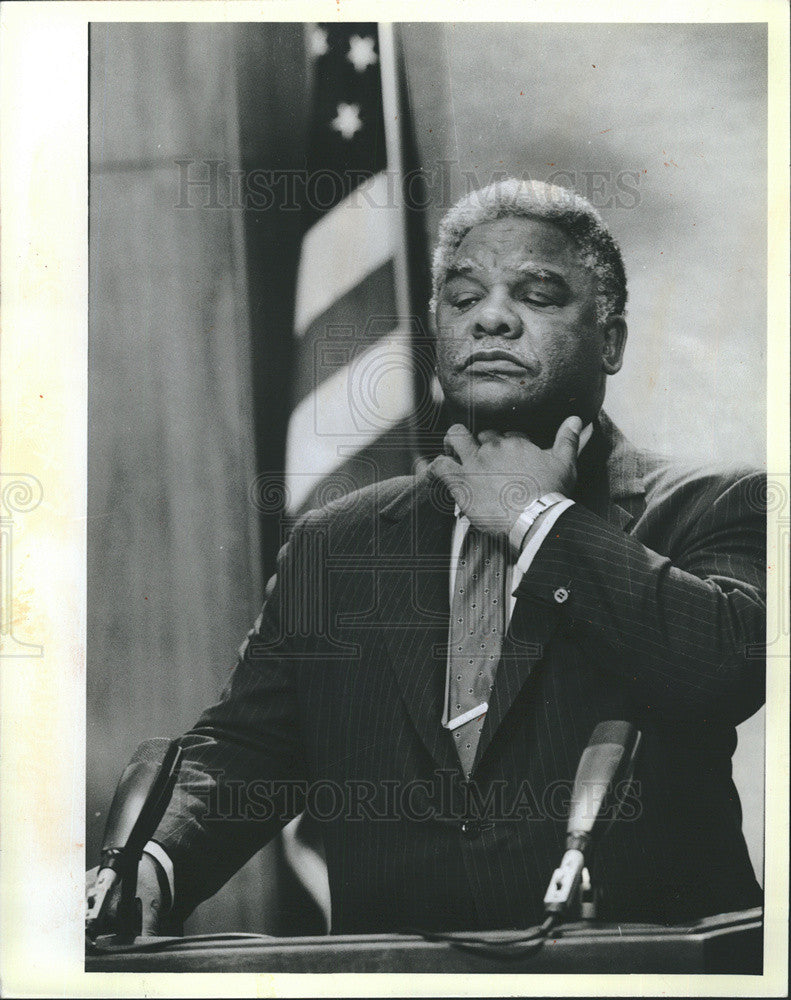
column 361, row 359
column 355, row 375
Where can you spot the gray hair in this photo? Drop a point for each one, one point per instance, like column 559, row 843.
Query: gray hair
column 597, row 249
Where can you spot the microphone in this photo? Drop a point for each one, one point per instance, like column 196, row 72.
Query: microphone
column 139, row 803
column 606, row 762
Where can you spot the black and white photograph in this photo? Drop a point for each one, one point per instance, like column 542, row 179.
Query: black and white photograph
column 434, row 541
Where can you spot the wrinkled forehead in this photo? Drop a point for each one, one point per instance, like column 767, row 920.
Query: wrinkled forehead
column 517, row 245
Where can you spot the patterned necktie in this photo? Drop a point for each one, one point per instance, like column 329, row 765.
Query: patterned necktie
column 476, row 632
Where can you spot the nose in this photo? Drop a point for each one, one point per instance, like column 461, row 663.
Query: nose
column 497, row 318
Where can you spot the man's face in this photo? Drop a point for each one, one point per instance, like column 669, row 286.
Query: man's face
column 518, row 343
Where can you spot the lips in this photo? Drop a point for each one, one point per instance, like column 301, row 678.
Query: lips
column 496, row 360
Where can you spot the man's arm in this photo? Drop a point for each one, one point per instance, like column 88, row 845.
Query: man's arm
column 686, row 628
column 242, row 770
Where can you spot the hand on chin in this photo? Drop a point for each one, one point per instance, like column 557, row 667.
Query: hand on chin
column 495, row 475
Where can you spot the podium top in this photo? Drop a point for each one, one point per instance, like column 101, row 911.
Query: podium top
column 725, row 943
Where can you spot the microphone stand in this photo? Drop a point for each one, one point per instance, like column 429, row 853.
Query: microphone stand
column 608, row 758
column 587, row 895
column 138, row 805
column 129, row 922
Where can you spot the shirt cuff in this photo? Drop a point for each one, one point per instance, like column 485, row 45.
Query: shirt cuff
column 158, row 853
column 538, row 532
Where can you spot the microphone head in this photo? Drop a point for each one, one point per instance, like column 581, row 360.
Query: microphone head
column 151, row 751
column 614, row 731
column 140, row 800
column 606, row 762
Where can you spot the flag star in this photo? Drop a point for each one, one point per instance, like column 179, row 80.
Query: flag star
column 361, row 52
column 318, row 42
column 347, row 121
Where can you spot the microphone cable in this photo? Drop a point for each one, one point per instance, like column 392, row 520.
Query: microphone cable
column 512, row 947
column 516, row 947
column 104, row 945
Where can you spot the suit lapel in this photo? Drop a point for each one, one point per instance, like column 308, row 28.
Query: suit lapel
column 414, row 547
column 532, row 625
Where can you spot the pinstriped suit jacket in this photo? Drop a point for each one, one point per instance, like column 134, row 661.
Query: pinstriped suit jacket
column 336, row 700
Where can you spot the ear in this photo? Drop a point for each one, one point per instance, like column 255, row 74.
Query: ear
column 614, row 333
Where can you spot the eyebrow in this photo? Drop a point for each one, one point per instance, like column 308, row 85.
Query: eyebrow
column 467, row 268
column 461, row 269
column 544, row 273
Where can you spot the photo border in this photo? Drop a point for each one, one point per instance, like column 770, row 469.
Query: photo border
column 43, row 366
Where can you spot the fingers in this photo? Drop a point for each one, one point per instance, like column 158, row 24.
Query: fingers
column 90, row 879
column 447, row 471
column 488, row 437
column 101, row 890
column 567, row 440
column 154, row 894
column 460, row 442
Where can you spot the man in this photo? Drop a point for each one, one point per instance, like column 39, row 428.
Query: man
column 436, row 651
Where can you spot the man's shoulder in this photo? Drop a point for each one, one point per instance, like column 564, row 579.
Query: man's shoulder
column 666, row 478
column 686, row 486
column 357, row 507
column 690, row 491
column 675, row 494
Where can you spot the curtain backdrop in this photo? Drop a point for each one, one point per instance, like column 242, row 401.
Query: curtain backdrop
column 174, row 568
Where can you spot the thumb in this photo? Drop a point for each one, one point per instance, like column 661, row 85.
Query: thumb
column 154, row 894
column 567, row 440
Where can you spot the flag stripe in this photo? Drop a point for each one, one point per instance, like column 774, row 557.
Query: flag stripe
column 382, row 459
column 363, row 227
column 348, row 411
column 351, row 324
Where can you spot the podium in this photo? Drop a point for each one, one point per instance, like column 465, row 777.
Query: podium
column 727, row 943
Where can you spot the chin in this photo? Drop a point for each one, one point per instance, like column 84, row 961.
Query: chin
column 538, row 419
column 497, row 410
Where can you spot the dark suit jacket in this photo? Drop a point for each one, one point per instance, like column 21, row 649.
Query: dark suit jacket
column 337, row 699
